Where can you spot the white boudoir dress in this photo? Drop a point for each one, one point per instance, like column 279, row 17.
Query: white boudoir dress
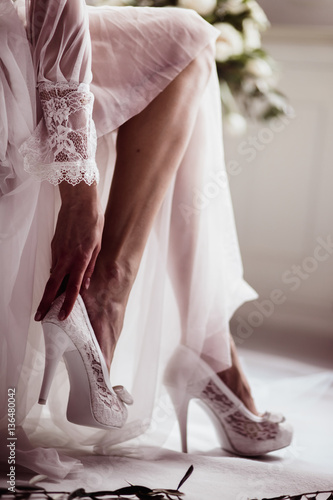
column 130, row 54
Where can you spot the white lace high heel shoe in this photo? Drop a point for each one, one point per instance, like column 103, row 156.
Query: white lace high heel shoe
column 241, row 432
column 92, row 401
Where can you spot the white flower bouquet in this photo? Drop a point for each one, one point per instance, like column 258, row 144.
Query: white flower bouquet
column 247, row 73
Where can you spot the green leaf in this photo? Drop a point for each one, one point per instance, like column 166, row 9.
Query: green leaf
column 272, row 112
column 186, row 476
column 277, row 498
column 175, row 493
column 150, row 497
column 133, row 490
column 31, row 489
column 79, row 493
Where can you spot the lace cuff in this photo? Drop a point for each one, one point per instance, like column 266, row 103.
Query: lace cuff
column 63, row 145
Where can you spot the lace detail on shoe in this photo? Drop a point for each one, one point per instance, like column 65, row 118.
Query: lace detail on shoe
column 63, row 145
column 108, row 408
column 260, row 431
column 217, row 400
column 239, row 423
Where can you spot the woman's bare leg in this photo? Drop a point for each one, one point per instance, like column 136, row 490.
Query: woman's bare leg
column 182, row 252
column 236, row 380
column 150, row 147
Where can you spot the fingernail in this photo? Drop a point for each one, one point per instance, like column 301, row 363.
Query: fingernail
column 87, row 284
column 62, row 315
column 38, row 316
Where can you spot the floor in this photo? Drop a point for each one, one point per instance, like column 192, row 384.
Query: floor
column 301, row 390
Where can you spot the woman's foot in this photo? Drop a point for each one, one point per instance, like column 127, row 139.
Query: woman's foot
column 236, row 380
column 105, row 301
column 92, row 401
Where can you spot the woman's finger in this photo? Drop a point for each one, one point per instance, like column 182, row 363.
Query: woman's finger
column 50, row 293
column 72, row 291
column 90, row 269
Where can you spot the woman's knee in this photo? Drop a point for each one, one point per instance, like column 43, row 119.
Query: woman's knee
column 207, row 57
column 202, row 65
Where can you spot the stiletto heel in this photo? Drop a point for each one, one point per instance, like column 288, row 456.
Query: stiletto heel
column 92, row 401
column 56, row 343
column 181, row 403
column 241, row 432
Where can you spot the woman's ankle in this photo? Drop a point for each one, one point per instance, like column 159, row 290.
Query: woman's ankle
column 235, row 380
column 106, row 316
column 106, row 300
column 112, row 281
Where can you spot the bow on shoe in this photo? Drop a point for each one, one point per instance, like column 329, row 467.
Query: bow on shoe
column 123, row 394
column 276, row 418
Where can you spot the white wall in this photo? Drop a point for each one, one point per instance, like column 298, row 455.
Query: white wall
column 283, row 195
column 299, row 12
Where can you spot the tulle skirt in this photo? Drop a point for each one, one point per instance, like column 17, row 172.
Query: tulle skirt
column 137, row 52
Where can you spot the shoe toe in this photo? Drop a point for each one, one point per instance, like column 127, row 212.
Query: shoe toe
column 286, row 433
column 123, row 394
column 276, row 418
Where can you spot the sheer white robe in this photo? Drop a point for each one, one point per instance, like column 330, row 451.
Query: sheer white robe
column 131, row 55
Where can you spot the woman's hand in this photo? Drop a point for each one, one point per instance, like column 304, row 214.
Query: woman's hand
column 75, row 245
